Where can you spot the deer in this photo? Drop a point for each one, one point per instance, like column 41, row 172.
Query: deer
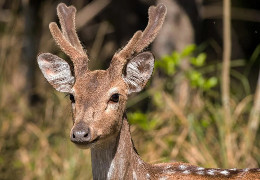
column 98, row 100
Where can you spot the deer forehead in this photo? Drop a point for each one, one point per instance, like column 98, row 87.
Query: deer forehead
column 98, row 84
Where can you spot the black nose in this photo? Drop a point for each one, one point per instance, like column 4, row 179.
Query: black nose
column 80, row 134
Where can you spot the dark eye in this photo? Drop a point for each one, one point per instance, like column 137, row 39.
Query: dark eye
column 72, row 99
column 114, row 98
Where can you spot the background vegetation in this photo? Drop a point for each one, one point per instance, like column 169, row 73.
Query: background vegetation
column 201, row 105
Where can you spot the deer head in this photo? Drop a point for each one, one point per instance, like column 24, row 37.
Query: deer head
column 98, row 97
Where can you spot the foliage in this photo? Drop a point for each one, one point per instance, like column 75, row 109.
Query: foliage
column 191, row 127
column 142, row 121
column 170, row 64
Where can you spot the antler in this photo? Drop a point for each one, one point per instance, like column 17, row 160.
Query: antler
column 140, row 40
column 68, row 40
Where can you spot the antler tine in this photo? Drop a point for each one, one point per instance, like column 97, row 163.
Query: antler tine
column 67, row 39
column 156, row 19
column 120, row 57
column 67, row 20
column 140, row 40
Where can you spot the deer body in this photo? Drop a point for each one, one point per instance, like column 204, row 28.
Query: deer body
column 99, row 98
column 118, row 159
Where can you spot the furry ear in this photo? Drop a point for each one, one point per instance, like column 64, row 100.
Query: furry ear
column 138, row 71
column 56, row 71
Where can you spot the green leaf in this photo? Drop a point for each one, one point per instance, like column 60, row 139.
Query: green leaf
column 201, row 82
column 188, row 50
column 168, row 63
column 199, row 61
column 205, row 123
column 141, row 120
column 152, row 124
column 194, row 75
column 210, row 83
column 196, row 79
column 176, row 57
column 157, row 99
column 170, row 68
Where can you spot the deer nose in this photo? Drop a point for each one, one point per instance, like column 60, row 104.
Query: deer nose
column 80, row 135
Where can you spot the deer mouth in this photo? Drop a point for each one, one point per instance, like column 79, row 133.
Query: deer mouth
column 86, row 144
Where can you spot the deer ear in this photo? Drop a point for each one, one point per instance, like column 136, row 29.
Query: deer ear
column 138, row 71
column 56, row 71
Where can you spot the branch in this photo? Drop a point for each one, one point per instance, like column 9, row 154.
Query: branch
column 226, row 80
column 226, row 61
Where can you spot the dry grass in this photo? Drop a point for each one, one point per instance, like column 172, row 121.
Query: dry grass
column 34, row 140
column 197, row 133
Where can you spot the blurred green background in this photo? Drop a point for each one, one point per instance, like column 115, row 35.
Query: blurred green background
column 190, row 111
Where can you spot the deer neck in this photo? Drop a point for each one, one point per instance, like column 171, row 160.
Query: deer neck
column 117, row 158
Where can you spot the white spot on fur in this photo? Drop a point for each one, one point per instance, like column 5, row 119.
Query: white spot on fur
column 134, row 175
column 200, row 168
column 182, row 167
column 246, row 170
column 163, row 178
column 225, row 172
column 121, row 163
column 168, row 167
column 200, row 172
column 211, row 172
column 111, row 170
column 148, row 176
column 233, row 169
column 186, row 172
column 168, row 172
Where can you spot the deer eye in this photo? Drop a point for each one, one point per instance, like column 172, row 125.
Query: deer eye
column 114, row 98
column 72, row 98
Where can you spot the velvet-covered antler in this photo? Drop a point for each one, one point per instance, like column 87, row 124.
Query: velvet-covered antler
column 140, row 40
column 67, row 38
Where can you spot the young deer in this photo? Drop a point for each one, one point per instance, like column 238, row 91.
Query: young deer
column 99, row 98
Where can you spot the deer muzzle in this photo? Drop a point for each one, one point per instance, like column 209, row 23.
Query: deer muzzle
column 81, row 134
